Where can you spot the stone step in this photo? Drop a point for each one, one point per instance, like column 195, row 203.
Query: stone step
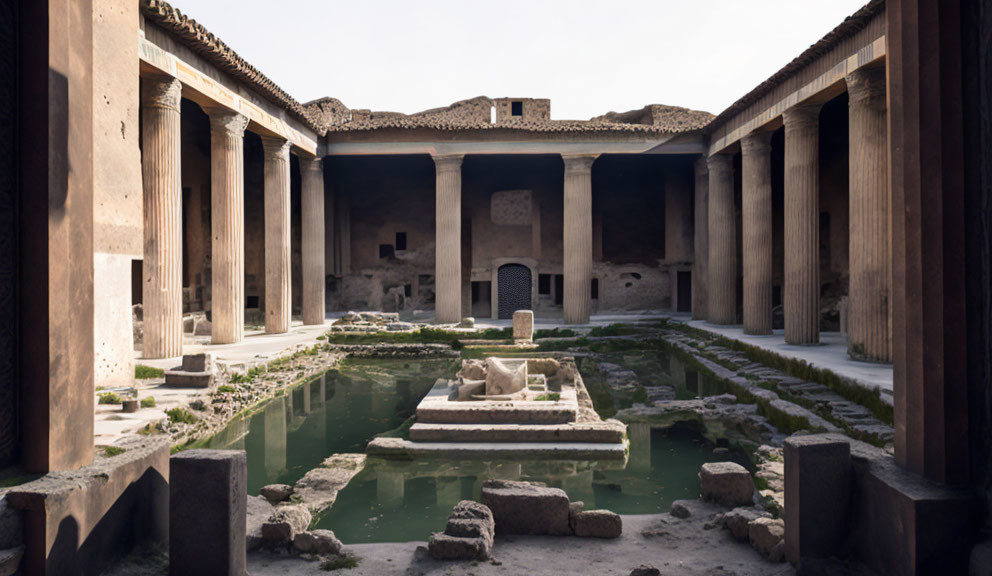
column 599, row 432
column 404, row 449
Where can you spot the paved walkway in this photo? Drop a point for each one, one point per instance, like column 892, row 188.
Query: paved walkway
column 830, row 354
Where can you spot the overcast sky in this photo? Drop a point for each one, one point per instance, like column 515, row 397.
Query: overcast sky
column 588, row 56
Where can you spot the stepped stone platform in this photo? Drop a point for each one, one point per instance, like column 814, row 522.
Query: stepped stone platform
column 517, row 408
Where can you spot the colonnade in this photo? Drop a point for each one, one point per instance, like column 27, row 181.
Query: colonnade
column 869, row 312
column 162, row 267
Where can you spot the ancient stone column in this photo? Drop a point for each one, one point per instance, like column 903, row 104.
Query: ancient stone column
column 278, row 279
column 756, row 153
column 577, row 299
column 312, row 173
column 227, row 226
column 448, row 248
column 162, row 292
column 721, row 290
column 802, row 225
column 869, row 318
column 701, row 240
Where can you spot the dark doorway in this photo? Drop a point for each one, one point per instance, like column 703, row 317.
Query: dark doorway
column 514, row 289
column 684, row 280
column 559, row 289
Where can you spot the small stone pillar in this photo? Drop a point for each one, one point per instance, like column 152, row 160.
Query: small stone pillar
column 163, row 265
column 523, row 325
column 802, row 224
column 278, row 279
column 227, row 226
column 312, row 173
column 869, row 324
column 721, row 291
column 818, row 483
column 701, row 240
column 756, row 159
column 577, row 299
column 448, row 230
column 207, row 512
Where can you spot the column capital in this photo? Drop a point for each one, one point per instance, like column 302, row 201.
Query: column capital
column 757, row 143
column 312, row 164
column 866, row 83
column 701, row 167
column 719, row 163
column 448, row 162
column 161, row 92
column 227, row 121
column 275, row 148
column 579, row 162
column 802, row 116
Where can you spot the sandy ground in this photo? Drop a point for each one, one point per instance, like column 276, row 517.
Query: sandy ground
column 674, row 546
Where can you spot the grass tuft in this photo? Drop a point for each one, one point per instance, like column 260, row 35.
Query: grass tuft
column 180, row 416
column 142, row 372
column 339, row 562
column 110, row 398
column 148, row 402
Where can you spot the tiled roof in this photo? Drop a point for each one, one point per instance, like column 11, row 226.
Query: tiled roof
column 201, row 41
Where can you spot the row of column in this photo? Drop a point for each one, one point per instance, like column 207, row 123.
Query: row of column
column 161, row 172
column 869, row 331
column 577, row 298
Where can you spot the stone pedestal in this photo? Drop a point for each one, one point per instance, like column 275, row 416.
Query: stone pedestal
column 278, row 278
column 227, row 226
column 802, row 225
column 162, row 269
column 312, row 173
column 817, row 492
column 701, row 241
column 577, row 299
column 721, row 291
column 207, row 512
column 869, row 318
column 523, row 325
column 756, row 151
column 448, row 250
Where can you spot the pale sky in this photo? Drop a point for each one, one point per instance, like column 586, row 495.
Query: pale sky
column 588, row 56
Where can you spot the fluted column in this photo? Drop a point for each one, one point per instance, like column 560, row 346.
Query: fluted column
column 278, row 278
column 227, row 226
column 802, row 226
column 756, row 157
column 162, row 292
column 312, row 175
column 577, row 299
column 701, row 240
column 869, row 325
column 448, row 247
column 721, row 291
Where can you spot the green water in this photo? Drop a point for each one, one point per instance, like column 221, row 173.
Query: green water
column 338, row 412
column 393, row 501
column 389, row 501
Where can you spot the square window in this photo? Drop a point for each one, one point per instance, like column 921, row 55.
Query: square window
column 400, row 241
column 517, row 108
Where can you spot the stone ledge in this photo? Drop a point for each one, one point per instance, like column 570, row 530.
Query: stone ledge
column 595, row 432
column 397, row 448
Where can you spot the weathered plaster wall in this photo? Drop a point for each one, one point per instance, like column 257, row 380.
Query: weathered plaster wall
column 117, row 188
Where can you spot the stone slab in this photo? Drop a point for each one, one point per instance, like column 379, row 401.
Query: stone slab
column 208, row 513
column 527, row 508
column 440, row 406
column 80, row 521
column 595, row 432
column 404, row 449
column 182, row 379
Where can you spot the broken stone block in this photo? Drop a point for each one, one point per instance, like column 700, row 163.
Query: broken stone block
column 207, row 512
column 680, row 510
column 189, row 323
column 285, row 523
column 765, row 534
column 259, row 510
column 726, row 483
column 598, row 524
column 467, row 322
column 276, row 493
column 472, row 370
column 198, row 362
column 469, row 388
column 574, row 509
column 202, row 327
column 468, row 535
column 444, row 547
column 737, row 520
column 197, row 371
column 526, row 508
column 504, row 377
column 523, row 325
column 645, row 570
column 317, row 542
column 130, row 406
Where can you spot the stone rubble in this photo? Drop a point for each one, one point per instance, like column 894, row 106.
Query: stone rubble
column 321, row 542
column 285, row 523
column 468, row 535
column 726, row 483
column 276, row 493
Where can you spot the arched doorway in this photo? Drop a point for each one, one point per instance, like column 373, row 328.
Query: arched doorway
column 514, row 289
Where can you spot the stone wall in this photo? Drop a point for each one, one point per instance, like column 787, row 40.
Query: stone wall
column 533, row 109
column 117, row 187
